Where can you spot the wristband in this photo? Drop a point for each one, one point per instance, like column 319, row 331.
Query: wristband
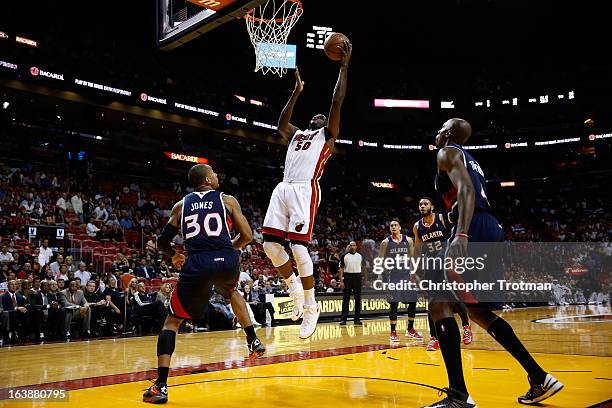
column 461, row 234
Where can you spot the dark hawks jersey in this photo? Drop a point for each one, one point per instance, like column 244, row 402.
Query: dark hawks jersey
column 432, row 235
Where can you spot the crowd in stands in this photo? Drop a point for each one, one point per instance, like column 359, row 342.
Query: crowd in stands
column 107, row 277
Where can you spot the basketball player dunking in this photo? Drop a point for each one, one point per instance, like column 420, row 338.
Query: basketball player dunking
column 461, row 183
column 205, row 218
column 398, row 244
column 429, row 233
column 294, row 202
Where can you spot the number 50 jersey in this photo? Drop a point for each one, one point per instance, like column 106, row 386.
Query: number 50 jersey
column 205, row 223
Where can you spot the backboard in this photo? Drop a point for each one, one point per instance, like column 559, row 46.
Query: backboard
column 180, row 21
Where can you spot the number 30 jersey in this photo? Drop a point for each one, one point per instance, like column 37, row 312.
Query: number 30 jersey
column 205, row 223
column 306, row 156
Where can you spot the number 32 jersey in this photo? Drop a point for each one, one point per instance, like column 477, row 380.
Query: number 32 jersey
column 205, row 223
column 306, row 155
column 432, row 235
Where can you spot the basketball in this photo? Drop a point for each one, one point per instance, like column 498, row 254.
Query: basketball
column 333, row 46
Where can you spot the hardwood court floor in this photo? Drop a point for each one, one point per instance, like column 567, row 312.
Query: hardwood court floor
column 339, row 366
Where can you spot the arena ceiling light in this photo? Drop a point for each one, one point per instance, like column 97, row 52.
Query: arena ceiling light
column 401, row 103
column 447, row 104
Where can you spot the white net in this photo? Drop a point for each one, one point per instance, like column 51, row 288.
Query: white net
column 269, row 26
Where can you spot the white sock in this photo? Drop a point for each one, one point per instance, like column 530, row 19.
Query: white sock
column 292, row 282
column 309, row 297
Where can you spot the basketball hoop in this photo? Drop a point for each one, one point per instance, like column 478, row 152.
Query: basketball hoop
column 269, row 26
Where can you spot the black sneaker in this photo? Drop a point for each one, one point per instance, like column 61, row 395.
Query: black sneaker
column 156, row 394
column 256, row 349
column 540, row 392
column 358, row 323
column 342, row 322
column 454, row 399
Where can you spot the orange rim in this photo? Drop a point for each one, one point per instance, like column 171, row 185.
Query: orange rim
column 298, row 13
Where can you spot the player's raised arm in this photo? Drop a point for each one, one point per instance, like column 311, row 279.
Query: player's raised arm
column 333, row 124
column 285, row 128
column 245, row 234
column 451, row 162
column 170, row 230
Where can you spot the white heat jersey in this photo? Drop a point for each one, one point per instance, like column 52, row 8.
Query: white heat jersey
column 306, row 156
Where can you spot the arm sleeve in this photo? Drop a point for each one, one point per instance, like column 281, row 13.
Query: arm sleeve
column 165, row 239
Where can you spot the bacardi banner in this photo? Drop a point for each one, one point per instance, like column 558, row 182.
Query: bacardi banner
column 186, row 157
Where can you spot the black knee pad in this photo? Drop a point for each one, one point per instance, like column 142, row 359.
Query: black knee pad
column 166, row 342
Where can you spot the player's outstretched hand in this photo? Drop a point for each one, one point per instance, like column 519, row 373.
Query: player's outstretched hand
column 299, row 84
column 347, row 50
column 178, row 260
column 458, row 248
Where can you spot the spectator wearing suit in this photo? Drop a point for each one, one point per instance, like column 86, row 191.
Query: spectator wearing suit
column 45, row 254
column 26, row 288
column 77, row 308
column 144, row 271
column 45, row 305
column 15, row 314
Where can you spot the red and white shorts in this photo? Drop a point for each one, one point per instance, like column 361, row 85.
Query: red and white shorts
column 292, row 210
